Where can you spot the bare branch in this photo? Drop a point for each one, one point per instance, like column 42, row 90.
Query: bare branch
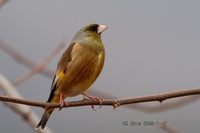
column 38, row 68
column 108, row 102
column 171, row 104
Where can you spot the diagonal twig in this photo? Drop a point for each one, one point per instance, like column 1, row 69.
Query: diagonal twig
column 38, row 68
column 169, row 128
column 3, row 2
column 25, row 112
column 28, row 62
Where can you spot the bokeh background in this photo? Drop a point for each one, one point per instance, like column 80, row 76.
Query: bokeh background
column 151, row 47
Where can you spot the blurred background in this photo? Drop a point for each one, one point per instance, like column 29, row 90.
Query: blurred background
column 152, row 47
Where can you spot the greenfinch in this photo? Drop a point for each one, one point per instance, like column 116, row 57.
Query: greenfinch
column 78, row 67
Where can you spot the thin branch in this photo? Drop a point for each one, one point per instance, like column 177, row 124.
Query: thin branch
column 171, row 104
column 38, row 68
column 108, row 102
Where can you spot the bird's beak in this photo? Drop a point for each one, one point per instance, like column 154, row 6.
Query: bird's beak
column 101, row 28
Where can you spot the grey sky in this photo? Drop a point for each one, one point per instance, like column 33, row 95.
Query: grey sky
column 151, row 47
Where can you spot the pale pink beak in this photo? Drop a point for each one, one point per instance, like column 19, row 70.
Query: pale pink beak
column 102, row 28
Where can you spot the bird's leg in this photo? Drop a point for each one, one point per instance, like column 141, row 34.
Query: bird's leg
column 62, row 102
column 93, row 98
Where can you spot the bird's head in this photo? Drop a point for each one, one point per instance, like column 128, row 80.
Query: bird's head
column 90, row 33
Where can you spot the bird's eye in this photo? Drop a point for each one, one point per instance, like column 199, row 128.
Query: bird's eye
column 93, row 28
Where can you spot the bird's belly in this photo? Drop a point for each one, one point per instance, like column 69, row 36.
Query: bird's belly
column 78, row 89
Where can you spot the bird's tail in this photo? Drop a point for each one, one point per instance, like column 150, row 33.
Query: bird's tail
column 44, row 119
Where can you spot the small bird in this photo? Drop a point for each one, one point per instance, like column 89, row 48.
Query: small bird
column 78, row 67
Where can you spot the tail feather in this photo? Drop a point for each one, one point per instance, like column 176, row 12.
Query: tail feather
column 52, row 98
column 44, row 119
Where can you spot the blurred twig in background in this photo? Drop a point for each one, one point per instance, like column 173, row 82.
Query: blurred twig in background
column 169, row 128
column 22, row 59
column 2, row 2
column 24, row 111
column 38, row 68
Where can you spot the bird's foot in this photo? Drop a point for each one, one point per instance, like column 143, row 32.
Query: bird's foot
column 62, row 102
column 94, row 99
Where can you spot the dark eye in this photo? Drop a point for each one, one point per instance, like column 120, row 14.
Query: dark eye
column 93, row 28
